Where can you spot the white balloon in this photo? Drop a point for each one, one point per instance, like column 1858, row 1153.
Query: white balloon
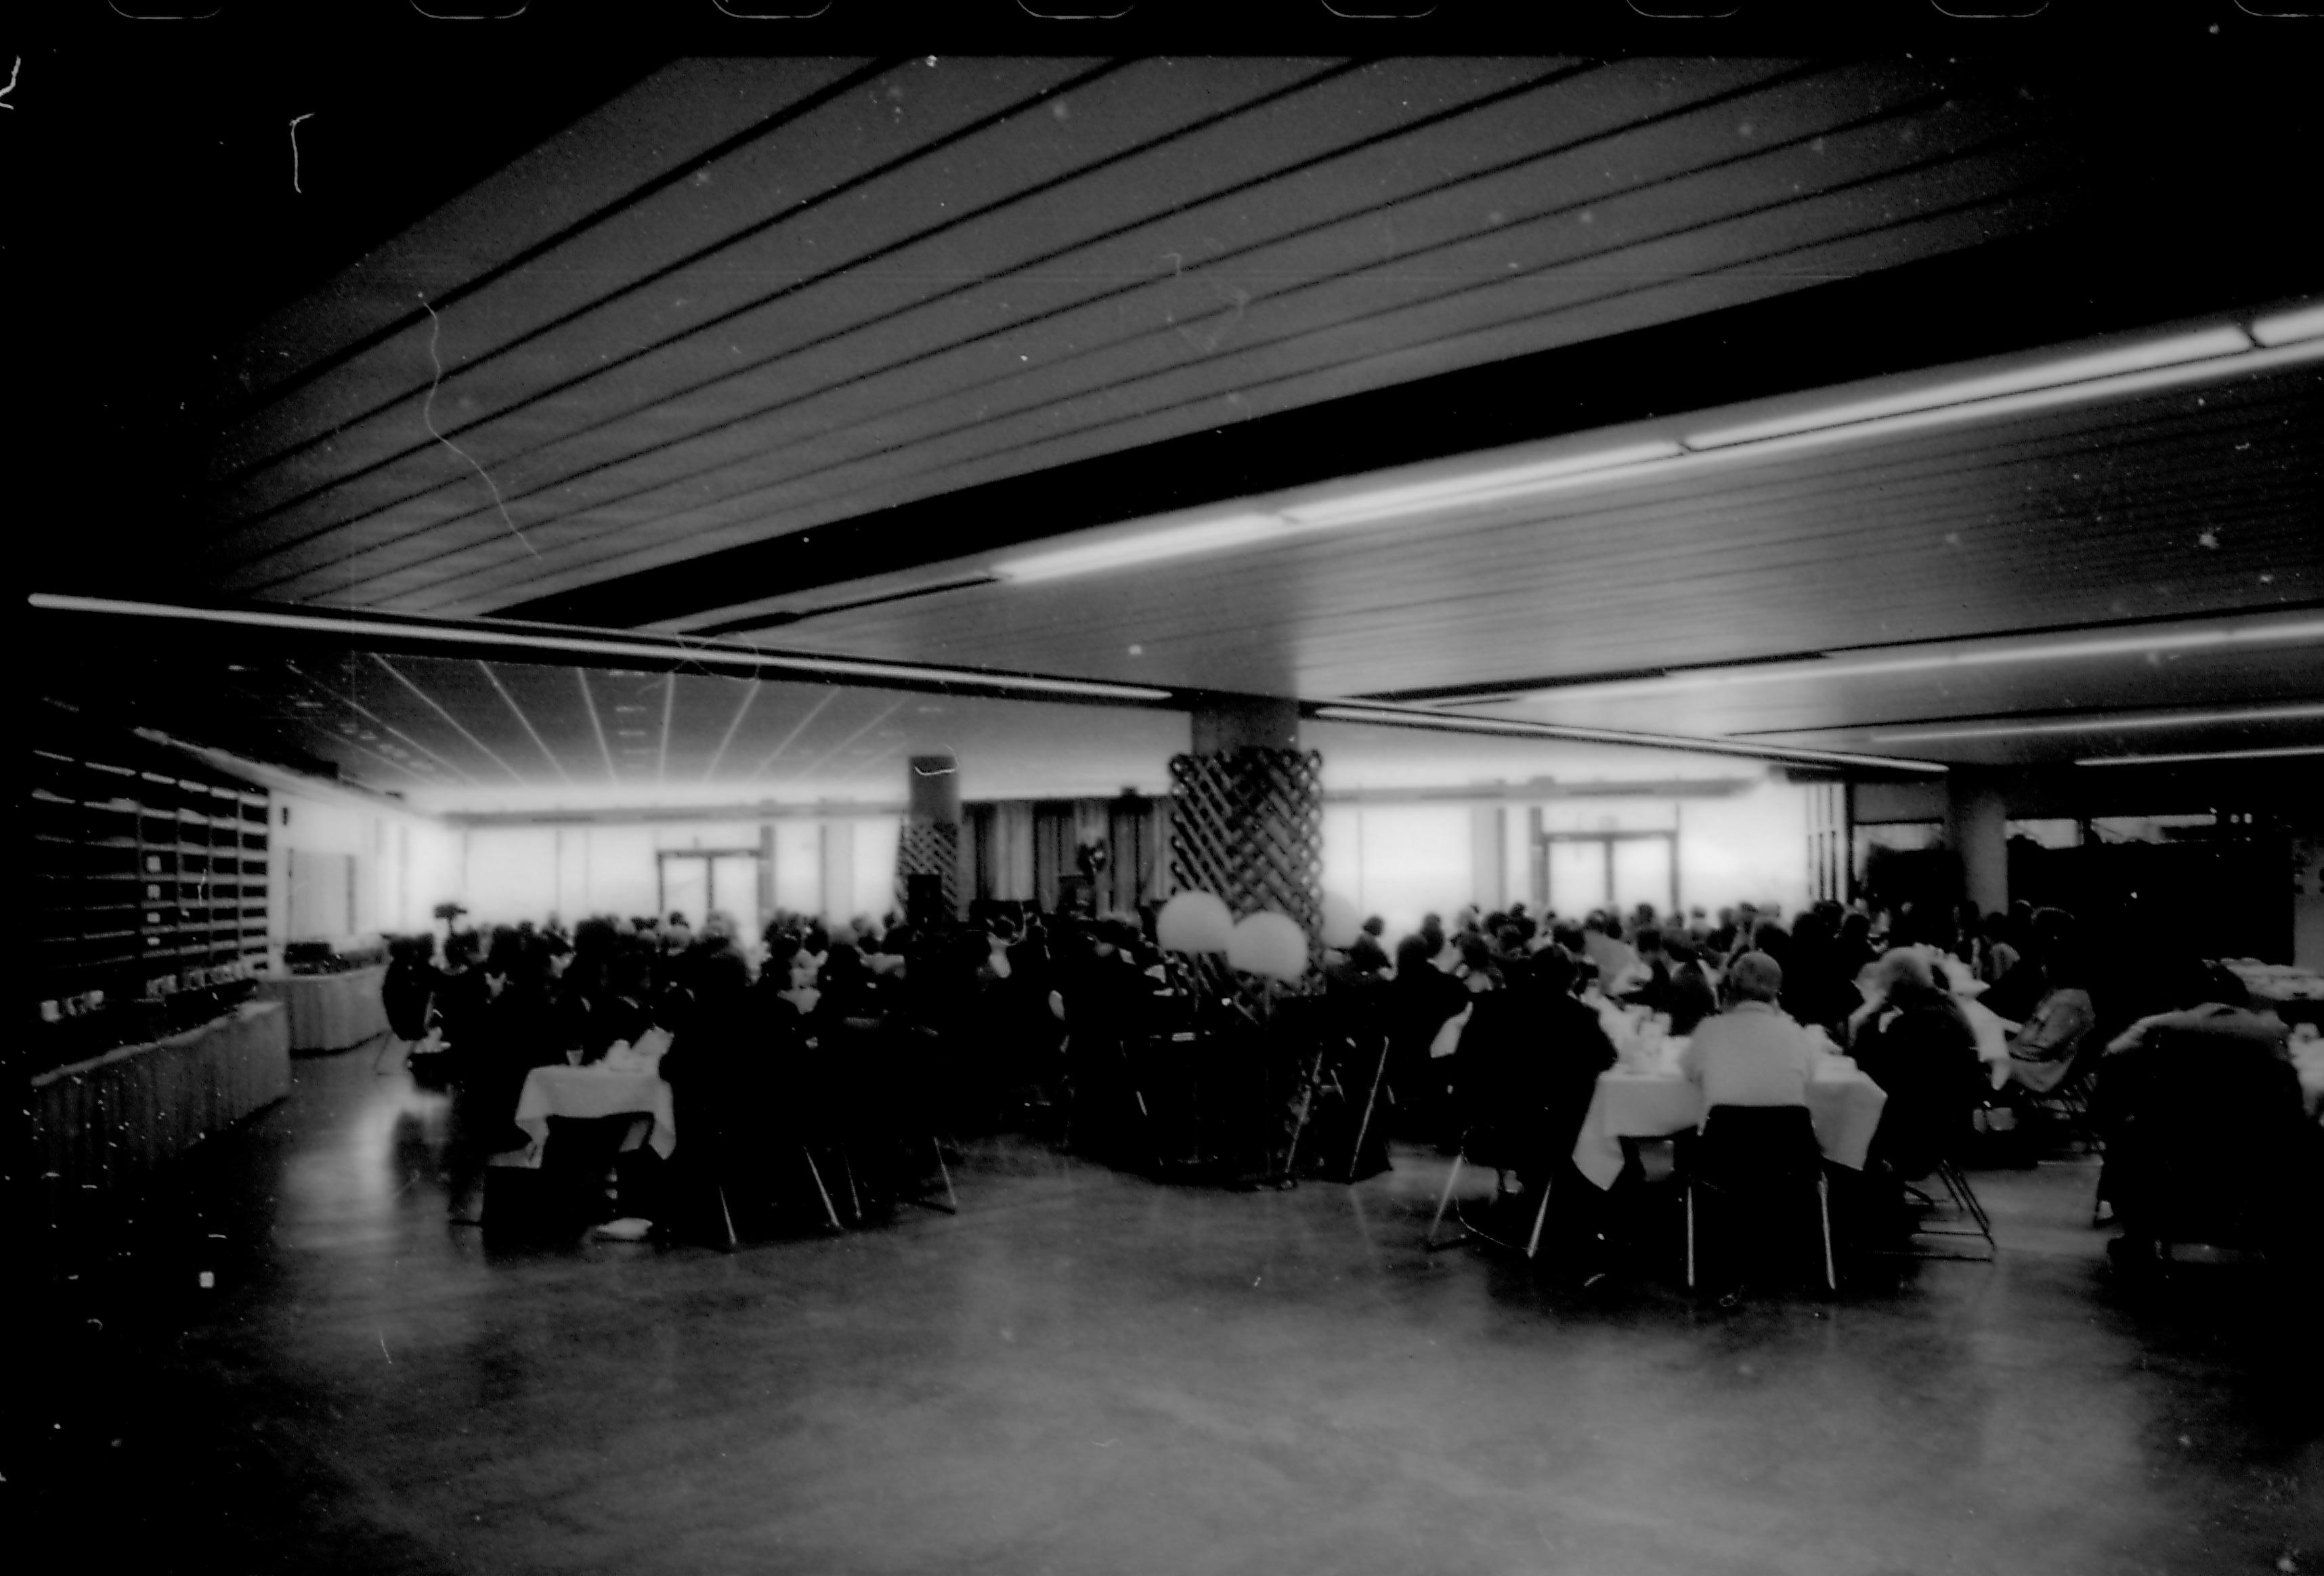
column 1271, row 944
column 1194, row 922
column 1341, row 923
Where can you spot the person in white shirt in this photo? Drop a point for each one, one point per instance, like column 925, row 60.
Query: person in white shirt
column 1751, row 1054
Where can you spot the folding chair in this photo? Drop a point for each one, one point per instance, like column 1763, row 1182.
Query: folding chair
column 2068, row 1102
column 1949, row 1176
column 1364, row 1117
column 1469, row 1140
column 1489, row 1087
column 1764, row 1150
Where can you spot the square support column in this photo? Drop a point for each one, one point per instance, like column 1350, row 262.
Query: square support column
column 1247, row 813
column 929, row 844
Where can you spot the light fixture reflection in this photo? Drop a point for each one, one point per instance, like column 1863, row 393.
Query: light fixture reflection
column 2103, row 724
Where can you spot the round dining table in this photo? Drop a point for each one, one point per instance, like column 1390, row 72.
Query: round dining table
column 1656, row 1100
column 602, row 1090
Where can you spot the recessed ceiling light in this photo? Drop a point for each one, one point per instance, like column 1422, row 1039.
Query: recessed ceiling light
column 2202, row 755
column 2282, row 327
column 1515, row 728
column 2104, row 724
column 2128, row 642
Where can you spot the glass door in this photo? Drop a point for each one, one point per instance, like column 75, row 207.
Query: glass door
column 685, row 887
column 1575, row 875
column 734, row 889
column 1644, row 873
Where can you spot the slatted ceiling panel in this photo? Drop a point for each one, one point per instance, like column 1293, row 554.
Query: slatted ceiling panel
column 471, row 578
column 1881, row 249
column 1792, row 707
column 522, row 319
column 1649, row 543
column 1832, row 495
column 1181, row 171
column 1776, row 556
column 770, row 217
column 1249, row 376
column 487, row 526
column 665, row 122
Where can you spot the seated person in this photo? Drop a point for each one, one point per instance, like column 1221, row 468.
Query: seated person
column 2206, row 1138
column 1692, row 997
column 1917, row 1046
column 1603, row 943
column 1751, row 1054
column 2045, row 1046
column 2217, row 1003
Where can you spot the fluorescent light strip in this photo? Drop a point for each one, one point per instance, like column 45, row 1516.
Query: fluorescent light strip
column 1482, row 486
column 2108, row 645
column 1171, row 541
column 1526, row 730
column 2136, row 382
column 2292, row 338
column 2104, row 724
column 1255, row 528
column 2202, row 345
column 703, row 655
column 2284, row 327
column 2202, row 755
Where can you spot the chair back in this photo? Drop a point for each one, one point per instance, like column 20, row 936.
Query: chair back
column 1757, row 1146
column 2208, row 1141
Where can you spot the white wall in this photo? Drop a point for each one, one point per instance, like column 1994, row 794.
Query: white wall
column 404, row 864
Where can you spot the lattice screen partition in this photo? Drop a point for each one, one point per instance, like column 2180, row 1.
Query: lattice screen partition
column 928, row 848
column 1248, row 825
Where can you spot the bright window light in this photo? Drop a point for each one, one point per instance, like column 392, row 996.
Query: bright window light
column 1511, row 728
column 2285, row 328
column 2202, row 755
column 2103, row 724
column 1481, row 487
column 1169, row 541
column 2177, row 349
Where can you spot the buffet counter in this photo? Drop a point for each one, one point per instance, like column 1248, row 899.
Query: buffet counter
column 331, row 1012
column 104, row 1123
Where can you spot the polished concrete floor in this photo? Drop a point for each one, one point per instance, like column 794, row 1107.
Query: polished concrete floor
column 1085, row 1372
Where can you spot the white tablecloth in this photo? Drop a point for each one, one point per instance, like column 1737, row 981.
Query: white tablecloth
column 2308, row 1060
column 1842, row 1101
column 597, row 1092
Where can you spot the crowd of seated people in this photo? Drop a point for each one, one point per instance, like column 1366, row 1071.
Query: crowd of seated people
column 796, row 1037
column 1489, row 1023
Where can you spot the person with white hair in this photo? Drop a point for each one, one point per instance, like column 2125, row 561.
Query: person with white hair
column 1752, row 1053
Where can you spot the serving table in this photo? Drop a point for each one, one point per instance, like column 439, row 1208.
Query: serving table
column 103, row 1123
column 331, row 1012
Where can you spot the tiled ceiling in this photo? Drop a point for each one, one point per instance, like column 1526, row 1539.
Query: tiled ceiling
column 449, row 731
